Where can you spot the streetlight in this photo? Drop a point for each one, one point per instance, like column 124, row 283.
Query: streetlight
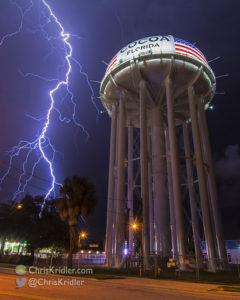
column 19, row 206
column 135, row 226
column 82, row 235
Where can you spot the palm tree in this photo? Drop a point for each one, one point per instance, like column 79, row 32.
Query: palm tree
column 78, row 199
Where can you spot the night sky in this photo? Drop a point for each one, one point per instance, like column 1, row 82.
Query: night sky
column 100, row 29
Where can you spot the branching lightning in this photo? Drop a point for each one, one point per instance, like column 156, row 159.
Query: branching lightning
column 23, row 13
column 37, row 149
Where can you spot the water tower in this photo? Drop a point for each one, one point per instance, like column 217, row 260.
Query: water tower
column 160, row 87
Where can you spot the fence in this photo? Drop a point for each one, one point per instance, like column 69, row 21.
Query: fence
column 49, row 259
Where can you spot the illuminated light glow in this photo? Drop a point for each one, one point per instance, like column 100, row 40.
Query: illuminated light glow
column 19, row 206
column 83, row 235
column 134, row 226
column 42, row 142
column 125, row 251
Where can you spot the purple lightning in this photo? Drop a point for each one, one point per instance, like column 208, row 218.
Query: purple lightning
column 23, row 13
column 42, row 137
column 42, row 141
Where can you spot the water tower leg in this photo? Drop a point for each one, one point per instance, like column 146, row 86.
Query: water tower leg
column 160, row 188
column 175, row 176
column 114, row 242
column 130, row 186
column 171, row 201
column 202, row 183
column 192, row 198
column 221, row 248
column 120, row 216
column 110, row 205
column 150, row 190
column 144, row 174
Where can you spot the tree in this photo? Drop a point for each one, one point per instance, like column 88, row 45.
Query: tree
column 6, row 223
column 25, row 224
column 78, row 199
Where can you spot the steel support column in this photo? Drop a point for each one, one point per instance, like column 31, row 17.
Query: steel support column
column 202, row 183
column 120, row 211
column 221, row 248
column 144, row 173
column 130, row 185
column 192, row 198
column 150, row 197
column 110, row 205
column 171, row 201
column 175, row 175
column 114, row 245
column 160, row 188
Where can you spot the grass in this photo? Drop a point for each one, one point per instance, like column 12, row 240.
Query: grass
column 223, row 277
column 227, row 289
column 226, row 278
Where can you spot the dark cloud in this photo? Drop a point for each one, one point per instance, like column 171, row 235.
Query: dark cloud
column 227, row 171
column 228, row 167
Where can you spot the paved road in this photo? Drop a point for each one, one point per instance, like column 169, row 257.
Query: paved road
column 114, row 289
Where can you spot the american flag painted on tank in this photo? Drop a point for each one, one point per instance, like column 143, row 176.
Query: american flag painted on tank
column 112, row 63
column 184, row 48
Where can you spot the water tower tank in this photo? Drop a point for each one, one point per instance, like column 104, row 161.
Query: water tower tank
column 151, row 59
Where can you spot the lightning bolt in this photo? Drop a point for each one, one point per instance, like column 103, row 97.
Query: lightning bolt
column 23, row 13
column 38, row 148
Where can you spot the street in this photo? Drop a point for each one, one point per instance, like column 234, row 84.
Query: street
column 128, row 288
